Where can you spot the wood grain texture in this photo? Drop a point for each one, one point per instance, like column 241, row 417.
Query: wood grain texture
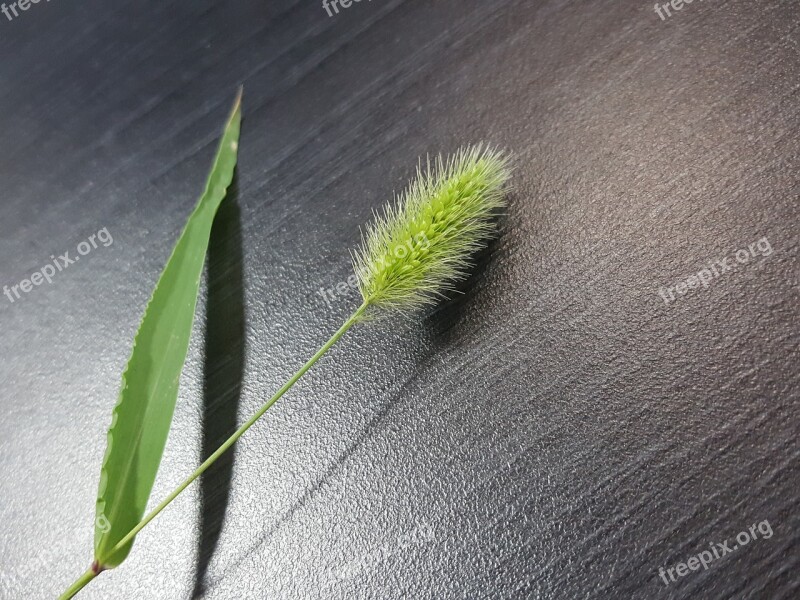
column 557, row 431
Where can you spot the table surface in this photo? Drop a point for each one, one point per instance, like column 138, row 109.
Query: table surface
column 614, row 392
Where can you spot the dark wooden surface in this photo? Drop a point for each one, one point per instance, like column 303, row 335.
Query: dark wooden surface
column 558, row 431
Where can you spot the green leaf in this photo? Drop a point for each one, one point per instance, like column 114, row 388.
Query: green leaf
column 143, row 414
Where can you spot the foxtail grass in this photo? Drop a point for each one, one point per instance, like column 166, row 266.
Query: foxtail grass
column 412, row 255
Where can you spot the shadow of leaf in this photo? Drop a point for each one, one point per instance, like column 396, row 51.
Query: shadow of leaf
column 223, row 370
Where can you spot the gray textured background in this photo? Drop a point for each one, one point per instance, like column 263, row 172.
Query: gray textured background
column 558, row 431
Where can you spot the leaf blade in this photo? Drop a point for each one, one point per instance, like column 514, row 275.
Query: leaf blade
column 143, row 414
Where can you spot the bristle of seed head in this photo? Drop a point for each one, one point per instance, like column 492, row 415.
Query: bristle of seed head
column 414, row 253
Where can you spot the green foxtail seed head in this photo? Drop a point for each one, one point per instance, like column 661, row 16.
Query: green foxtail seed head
column 421, row 245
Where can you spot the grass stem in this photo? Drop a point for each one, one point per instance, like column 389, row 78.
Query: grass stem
column 91, row 574
column 78, row 585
